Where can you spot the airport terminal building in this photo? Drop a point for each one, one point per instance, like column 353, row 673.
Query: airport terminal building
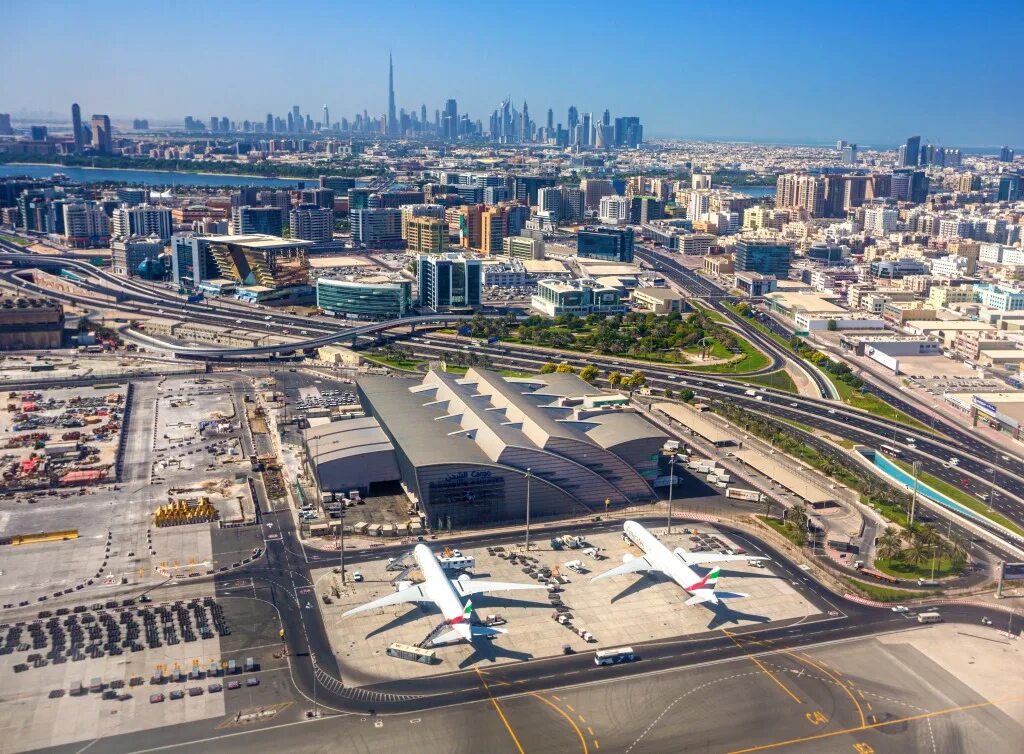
column 461, row 446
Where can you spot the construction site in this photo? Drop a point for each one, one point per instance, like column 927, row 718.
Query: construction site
column 61, row 437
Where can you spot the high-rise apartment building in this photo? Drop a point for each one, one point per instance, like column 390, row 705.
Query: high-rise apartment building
column 599, row 242
column 425, row 234
column 144, row 220
column 311, row 222
column 102, row 138
column 449, row 281
column 5, row 125
column 86, row 225
column 494, row 228
column 76, row 127
column 763, row 256
column 910, row 152
column 801, row 191
column 247, row 220
column 378, row 227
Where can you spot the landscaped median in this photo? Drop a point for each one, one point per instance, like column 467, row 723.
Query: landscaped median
column 960, row 496
column 846, row 383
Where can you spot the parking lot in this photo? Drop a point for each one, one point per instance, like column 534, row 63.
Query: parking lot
column 616, row 611
column 108, row 668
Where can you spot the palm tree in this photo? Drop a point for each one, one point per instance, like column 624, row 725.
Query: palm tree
column 916, row 553
column 890, row 543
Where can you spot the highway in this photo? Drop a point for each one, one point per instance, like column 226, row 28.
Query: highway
column 979, row 461
column 974, row 473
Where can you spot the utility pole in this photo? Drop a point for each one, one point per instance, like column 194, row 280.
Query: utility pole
column 528, row 475
column 671, row 480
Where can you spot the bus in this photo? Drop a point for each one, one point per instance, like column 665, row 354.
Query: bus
column 614, row 656
column 931, row 617
column 408, row 652
column 891, row 449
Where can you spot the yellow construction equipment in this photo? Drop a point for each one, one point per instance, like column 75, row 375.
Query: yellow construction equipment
column 179, row 512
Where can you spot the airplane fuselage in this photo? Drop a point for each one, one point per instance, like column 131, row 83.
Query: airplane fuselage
column 437, row 584
column 663, row 558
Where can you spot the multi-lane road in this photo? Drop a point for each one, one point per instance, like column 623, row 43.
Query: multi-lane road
column 981, row 465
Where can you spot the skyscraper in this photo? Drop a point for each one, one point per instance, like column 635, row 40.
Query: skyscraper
column 910, row 152
column 5, row 124
column 327, row 118
column 525, row 132
column 551, row 119
column 587, row 130
column 450, row 121
column 392, row 114
column 573, row 119
column 76, row 126
column 101, row 136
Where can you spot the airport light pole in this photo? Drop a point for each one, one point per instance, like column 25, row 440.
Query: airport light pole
column 671, row 479
column 528, row 475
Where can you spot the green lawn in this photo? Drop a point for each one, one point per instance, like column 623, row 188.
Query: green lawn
column 785, row 528
column 874, row 405
column 903, row 570
column 779, row 380
column 710, row 313
column 403, row 364
column 886, row 594
column 961, row 496
column 718, row 351
column 750, row 360
column 16, row 240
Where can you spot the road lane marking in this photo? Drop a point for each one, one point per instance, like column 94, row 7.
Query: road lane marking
column 884, row 723
column 501, row 714
column 760, row 665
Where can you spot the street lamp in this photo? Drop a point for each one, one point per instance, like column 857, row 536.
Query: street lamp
column 528, row 475
column 671, row 479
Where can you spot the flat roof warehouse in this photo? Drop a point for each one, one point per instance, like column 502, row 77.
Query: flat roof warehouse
column 462, row 445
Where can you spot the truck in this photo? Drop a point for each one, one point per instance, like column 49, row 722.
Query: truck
column 571, row 541
column 492, row 340
column 712, row 478
column 750, row 392
column 704, row 468
column 738, row 493
column 671, row 445
column 195, row 298
column 575, row 565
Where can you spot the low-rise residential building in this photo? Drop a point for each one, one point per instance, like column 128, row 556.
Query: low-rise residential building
column 999, row 297
column 942, row 296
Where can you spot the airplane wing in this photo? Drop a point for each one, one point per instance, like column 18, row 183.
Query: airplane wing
column 478, row 586
column 409, row 594
column 630, row 566
column 702, row 558
column 710, row 595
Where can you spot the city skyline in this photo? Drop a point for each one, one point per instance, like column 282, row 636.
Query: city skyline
column 714, row 100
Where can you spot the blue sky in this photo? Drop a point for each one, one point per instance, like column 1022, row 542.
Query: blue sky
column 868, row 72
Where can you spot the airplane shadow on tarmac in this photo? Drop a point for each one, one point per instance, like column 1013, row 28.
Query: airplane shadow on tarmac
column 486, row 650
column 480, row 602
column 725, row 614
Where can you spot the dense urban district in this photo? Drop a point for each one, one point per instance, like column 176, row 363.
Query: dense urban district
column 490, row 433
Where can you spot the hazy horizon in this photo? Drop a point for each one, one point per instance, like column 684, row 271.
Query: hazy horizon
column 807, row 75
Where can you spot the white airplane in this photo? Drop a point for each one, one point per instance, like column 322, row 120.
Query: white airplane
column 447, row 594
column 676, row 565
